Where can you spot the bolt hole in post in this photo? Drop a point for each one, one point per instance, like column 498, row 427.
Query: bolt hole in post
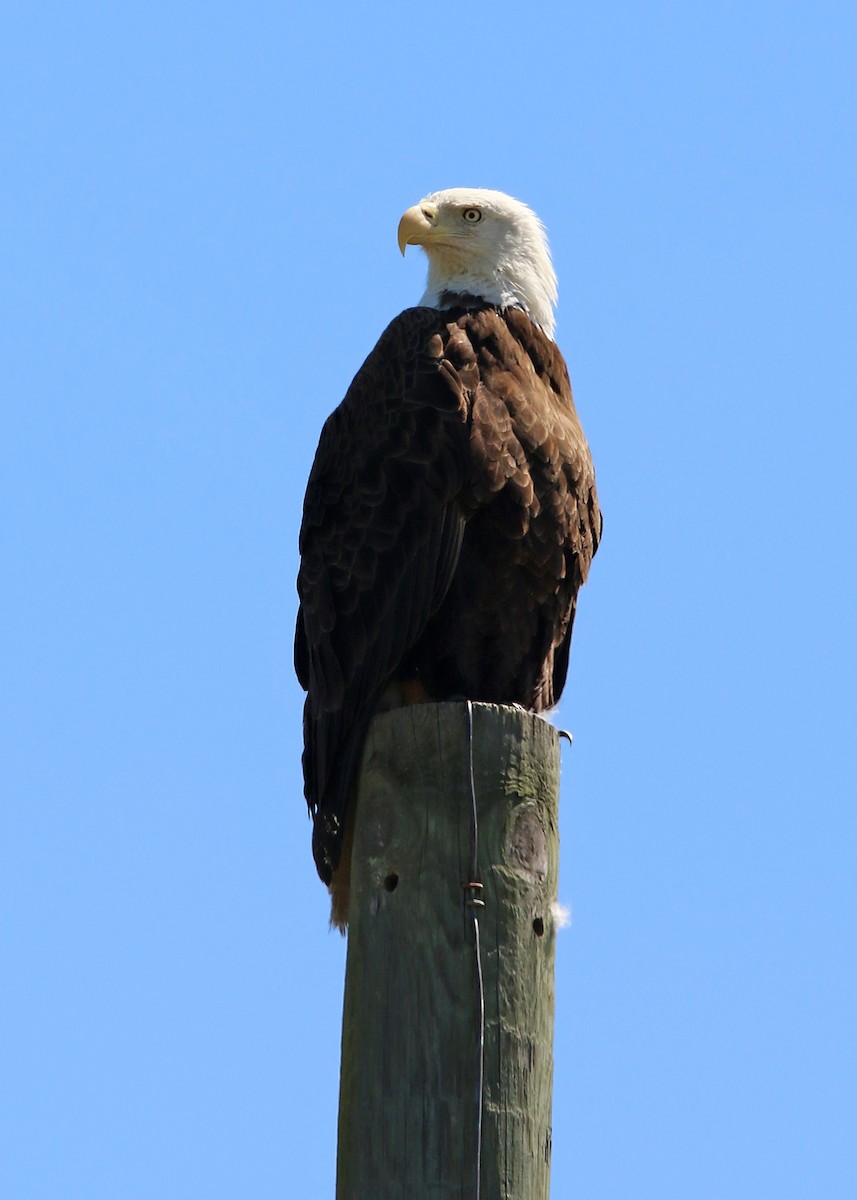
column 538, row 927
column 391, row 882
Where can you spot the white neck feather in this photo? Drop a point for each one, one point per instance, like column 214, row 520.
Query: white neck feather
column 527, row 292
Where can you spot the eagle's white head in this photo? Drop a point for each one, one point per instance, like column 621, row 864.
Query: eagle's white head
column 485, row 245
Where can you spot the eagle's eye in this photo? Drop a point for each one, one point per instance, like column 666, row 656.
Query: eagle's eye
column 472, row 215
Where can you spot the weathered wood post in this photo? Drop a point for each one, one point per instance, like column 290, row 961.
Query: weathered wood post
column 411, row 1097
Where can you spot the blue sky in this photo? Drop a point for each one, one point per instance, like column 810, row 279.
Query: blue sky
column 198, row 224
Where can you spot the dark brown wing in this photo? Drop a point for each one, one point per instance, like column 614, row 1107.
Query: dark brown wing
column 566, row 520
column 503, row 631
column 380, row 540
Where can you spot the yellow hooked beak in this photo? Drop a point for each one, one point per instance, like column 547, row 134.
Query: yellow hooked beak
column 417, row 226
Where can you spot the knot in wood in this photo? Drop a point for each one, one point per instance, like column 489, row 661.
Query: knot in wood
column 528, row 843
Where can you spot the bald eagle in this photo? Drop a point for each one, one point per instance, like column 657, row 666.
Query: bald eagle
column 451, row 515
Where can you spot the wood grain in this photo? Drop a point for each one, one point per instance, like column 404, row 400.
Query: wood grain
column 408, row 1096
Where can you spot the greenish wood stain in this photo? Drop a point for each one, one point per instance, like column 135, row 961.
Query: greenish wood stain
column 408, row 1092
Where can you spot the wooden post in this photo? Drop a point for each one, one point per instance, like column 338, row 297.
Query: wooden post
column 410, row 1096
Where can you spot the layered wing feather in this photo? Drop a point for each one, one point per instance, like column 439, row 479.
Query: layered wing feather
column 380, row 540
column 503, row 632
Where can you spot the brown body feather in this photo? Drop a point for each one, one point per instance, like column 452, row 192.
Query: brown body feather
column 450, row 519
